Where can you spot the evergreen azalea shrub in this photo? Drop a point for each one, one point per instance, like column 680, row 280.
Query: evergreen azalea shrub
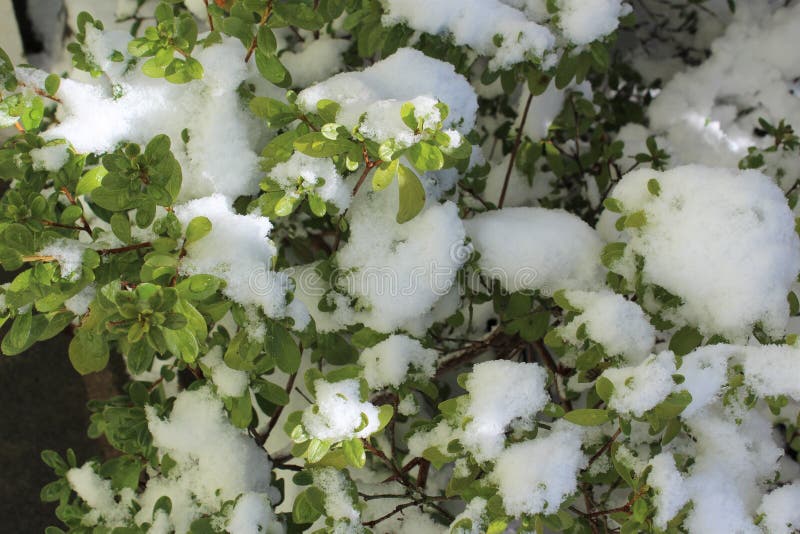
column 417, row 265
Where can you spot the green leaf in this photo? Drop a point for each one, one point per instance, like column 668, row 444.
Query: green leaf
column 316, row 145
column 412, row 194
column 272, row 69
column 685, row 340
column 121, row 226
column 588, row 416
column 273, row 393
column 612, row 253
column 384, row 175
column 276, row 113
column 198, row 287
column 51, row 84
column 280, row 345
column 19, row 336
column 317, row 449
column 198, row 228
column 317, row 205
column 266, row 40
column 612, row 204
column 88, row 351
column 673, row 405
column 604, row 388
column 354, row 452
column 654, row 187
column 425, row 157
column 308, row 506
column 636, row 219
column 566, row 70
column 407, row 114
column 385, row 414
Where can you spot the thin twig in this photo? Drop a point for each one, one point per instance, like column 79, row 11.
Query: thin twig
column 514, row 151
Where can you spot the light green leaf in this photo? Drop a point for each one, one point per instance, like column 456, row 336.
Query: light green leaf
column 588, row 417
column 384, row 175
column 412, row 194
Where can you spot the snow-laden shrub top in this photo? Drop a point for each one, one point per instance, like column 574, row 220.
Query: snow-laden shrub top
column 409, row 267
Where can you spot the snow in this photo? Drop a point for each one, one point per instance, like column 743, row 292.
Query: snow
column 638, row 389
column 237, row 250
column 393, row 360
column 670, row 487
column 731, row 459
column 338, row 501
column 303, row 172
column 316, row 61
column 705, row 371
column 339, row 411
column 229, row 382
column 780, row 509
column 398, row 272
column 381, row 89
column 50, row 157
column 220, row 156
column 537, row 249
column 708, row 113
column 773, row 370
column 619, row 325
column 551, row 466
column 215, row 461
column 69, row 255
column 97, row 493
column 584, row 21
column 475, row 23
column 721, row 240
column 501, row 393
column 474, row 512
column 80, row 301
column 253, row 515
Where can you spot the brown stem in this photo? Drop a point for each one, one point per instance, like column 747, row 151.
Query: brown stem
column 208, row 14
column 400, row 507
column 74, row 202
column 368, row 166
column 118, row 250
column 625, row 507
column 514, row 151
column 59, row 225
column 39, row 92
column 604, row 448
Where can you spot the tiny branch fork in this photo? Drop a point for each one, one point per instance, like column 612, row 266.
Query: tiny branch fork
column 264, row 19
column 74, row 202
column 400, row 507
column 368, row 166
column 40, row 92
column 514, row 151
column 625, row 507
column 604, row 448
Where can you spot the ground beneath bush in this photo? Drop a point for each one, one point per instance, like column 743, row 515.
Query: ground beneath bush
column 43, row 406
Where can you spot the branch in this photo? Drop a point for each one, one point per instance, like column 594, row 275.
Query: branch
column 208, row 14
column 264, row 19
column 515, row 150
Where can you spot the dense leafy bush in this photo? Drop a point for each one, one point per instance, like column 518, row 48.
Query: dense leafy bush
column 417, row 266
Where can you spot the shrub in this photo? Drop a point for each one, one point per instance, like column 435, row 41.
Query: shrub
column 405, row 266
